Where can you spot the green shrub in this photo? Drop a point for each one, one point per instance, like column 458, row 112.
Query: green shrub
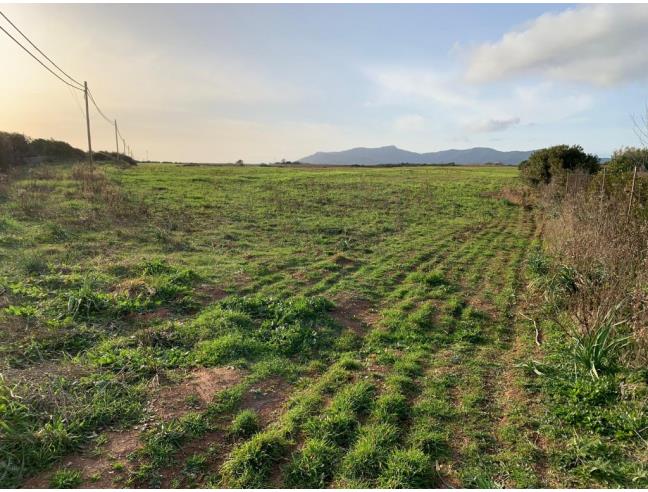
column 545, row 164
column 625, row 159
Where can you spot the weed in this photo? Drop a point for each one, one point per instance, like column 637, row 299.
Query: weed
column 245, row 424
column 66, row 479
column 598, row 350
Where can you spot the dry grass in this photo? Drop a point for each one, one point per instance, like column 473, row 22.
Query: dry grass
column 96, row 186
column 604, row 249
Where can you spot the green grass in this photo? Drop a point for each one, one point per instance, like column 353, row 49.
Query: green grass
column 115, row 280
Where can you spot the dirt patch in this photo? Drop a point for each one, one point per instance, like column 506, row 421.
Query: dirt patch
column 194, row 393
column 157, row 314
column 42, row 373
column 484, row 307
column 266, row 398
column 341, row 260
column 103, row 466
column 211, row 293
column 354, row 313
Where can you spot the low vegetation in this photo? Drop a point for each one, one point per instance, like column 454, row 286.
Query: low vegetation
column 233, row 326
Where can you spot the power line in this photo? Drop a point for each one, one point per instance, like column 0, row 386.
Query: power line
column 38, row 49
column 81, row 87
column 98, row 109
column 39, row 61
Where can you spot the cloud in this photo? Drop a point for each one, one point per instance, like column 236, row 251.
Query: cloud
column 473, row 108
column 409, row 122
column 602, row 45
column 492, row 125
column 397, row 83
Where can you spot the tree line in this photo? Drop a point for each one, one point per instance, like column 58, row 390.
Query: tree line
column 17, row 150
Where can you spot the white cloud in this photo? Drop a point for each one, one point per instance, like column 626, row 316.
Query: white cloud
column 472, row 108
column 397, row 83
column 601, row 45
column 409, row 123
column 492, row 125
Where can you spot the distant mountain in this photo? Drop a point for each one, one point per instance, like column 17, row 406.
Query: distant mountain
column 393, row 155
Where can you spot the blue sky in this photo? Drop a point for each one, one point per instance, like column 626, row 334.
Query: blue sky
column 264, row 82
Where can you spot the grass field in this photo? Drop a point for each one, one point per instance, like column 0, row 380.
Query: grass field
column 187, row 326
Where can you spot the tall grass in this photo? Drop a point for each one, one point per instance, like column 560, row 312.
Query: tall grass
column 600, row 269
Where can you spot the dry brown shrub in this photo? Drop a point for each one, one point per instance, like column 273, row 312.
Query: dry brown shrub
column 589, row 230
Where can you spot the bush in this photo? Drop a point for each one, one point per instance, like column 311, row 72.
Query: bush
column 624, row 160
column 545, row 164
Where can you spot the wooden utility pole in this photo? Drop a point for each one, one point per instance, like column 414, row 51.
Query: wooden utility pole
column 117, row 141
column 602, row 192
column 123, row 146
column 634, row 178
column 85, row 92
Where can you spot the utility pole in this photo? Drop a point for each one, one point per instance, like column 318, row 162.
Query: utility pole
column 634, row 178
column 117, row 141
column 124, row 146
column 147, row 156
column 85, row 85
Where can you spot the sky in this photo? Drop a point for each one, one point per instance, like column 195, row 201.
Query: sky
column 218, row 83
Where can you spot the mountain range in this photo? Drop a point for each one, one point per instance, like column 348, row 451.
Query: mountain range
column 393, row 155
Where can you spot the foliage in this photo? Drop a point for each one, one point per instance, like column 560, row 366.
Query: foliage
column 545, row 164
column 625, row 159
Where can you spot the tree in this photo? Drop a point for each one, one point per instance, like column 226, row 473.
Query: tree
column 239, row 162
column 545, row 164
column 624, row 160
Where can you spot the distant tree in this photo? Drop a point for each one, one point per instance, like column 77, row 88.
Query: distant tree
column 545, row 164
column 239, row 162
column 55, row 150
column 625, row 159
column 14, row 148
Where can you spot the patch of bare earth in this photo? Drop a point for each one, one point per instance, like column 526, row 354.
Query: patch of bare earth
column 266, row 398
column 194, row 393
column 155, row 315
column 211, row 293
column 354, row 313
column 105, row 465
